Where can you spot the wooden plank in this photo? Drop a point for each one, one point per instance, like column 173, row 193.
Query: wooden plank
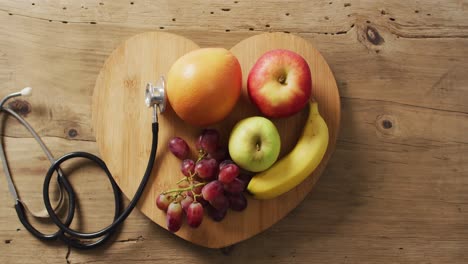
column 426, row 78
column 361, row 227
column 394, row 195
column 411, row 19
column 364, row 207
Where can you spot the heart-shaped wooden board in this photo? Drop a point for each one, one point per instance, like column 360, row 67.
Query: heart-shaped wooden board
column 122, row 124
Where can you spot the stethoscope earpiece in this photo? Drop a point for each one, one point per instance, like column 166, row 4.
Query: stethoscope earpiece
column 27, row 91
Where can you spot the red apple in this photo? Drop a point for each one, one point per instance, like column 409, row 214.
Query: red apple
column 279, row 83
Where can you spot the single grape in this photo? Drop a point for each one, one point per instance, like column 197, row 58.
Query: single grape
column 212, row 190
column 219, row 155
column 202, row 201
column 206, row 168
column 197, row 190
column 214, row 164
column 228, row 173
column 208, row 141
column 224, row 163
column 195, row 214
column 237, row 202
column 187, row 167
column 215, row 214
column 162, row 202
column 179, row 148
column 186, row 202
column 220, row 202
column 174, row 217
column 236, row 186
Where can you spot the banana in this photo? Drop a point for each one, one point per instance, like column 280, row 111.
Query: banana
column 295, row 167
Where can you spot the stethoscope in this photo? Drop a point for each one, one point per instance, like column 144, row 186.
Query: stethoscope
column 155, row 97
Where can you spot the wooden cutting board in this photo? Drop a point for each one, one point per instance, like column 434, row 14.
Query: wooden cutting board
column 122, row 124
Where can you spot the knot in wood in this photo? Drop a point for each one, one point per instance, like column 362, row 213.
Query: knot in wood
column 72, row 133
column 387, row 125
column 373, row 36
column 22, row 107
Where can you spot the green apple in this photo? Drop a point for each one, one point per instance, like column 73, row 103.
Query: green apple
column 254, row 144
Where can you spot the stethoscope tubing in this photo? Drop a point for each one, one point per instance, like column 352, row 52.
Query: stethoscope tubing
column 20, row 211
column 118, row 219
column 41, row 143
column 65, row 233
column 19, row 206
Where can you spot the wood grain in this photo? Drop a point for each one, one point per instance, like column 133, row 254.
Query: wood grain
column 121, row 121
column 388, row 195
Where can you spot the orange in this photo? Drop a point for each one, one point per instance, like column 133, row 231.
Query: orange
column 204, row 85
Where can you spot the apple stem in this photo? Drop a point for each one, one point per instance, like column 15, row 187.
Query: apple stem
column 282, row 79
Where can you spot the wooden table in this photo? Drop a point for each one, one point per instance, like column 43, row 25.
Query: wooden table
column 395, row 191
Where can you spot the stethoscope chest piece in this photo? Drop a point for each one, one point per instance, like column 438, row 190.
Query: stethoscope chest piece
column 155, row 95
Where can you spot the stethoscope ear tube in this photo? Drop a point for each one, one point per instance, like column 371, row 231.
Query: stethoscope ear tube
column 6, row 169
column 20, row 211
column 20, row 207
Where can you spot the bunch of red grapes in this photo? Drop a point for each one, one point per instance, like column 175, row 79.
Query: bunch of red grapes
column 212, row 183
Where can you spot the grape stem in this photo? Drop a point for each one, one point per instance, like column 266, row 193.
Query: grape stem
column 201, row 155
column 185, row 189
column 183, row 179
